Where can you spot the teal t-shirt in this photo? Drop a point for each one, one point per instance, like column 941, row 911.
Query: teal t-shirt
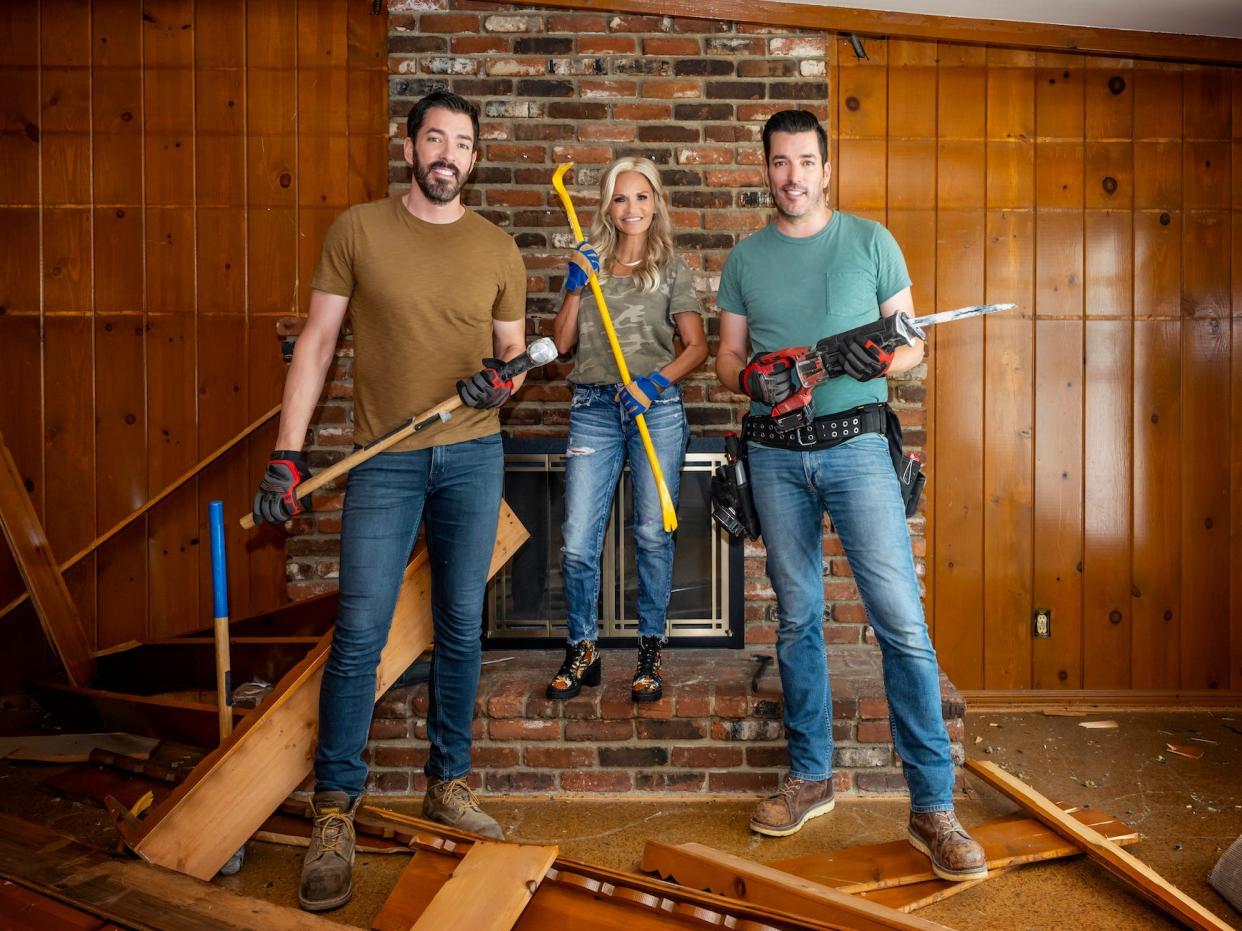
column 794, row 292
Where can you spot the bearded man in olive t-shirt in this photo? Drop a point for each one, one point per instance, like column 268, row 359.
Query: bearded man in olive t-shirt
column 431, row 288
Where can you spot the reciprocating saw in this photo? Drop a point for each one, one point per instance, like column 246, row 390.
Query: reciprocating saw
column 824, row 360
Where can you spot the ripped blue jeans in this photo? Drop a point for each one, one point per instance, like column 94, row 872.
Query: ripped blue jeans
column 601, row 436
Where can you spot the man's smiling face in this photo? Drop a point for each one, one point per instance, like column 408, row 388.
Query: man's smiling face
column 443, row 154
column 797, row 175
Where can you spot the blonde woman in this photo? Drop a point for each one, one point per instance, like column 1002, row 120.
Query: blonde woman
column 650, row 295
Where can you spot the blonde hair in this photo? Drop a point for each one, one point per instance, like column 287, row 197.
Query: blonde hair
column 659, row 246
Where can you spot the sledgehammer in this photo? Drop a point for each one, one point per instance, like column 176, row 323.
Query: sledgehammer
column 540, row 352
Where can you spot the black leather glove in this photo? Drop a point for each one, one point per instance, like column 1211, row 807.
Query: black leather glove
column 865, row 360
column 769, row 377
column 486, row 388
column 275, row 501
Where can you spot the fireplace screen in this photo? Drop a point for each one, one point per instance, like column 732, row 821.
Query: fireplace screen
column 526, row 606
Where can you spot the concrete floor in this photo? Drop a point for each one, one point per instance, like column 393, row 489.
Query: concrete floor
column 1188, row 811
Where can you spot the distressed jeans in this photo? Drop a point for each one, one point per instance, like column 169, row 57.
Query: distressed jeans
column 601, row 436
column 456, row 490
column 856, row 484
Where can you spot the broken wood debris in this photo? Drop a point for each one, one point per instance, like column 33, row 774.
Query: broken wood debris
column 73, row 748
column 1124, row 866
column 1192, row 753
column 237, row 786
column 1099, row 725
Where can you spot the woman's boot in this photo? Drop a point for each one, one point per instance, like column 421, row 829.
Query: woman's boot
column 647, row 685
column 583, row 666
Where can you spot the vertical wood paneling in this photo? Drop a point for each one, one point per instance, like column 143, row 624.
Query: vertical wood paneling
column 1205, row 505
column 862, row 121
column 121, row 476
column 1156, row 606
column 21, row 418
column 959, row 420
column 172, row 447
column 1057, row 662
column 1106, row 504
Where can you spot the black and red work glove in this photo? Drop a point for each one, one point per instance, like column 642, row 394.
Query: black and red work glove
column 865, row 360
column 769, row 377
column 486, row 387
column 275, row 501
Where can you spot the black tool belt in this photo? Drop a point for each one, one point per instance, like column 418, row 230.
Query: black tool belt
column 822, row 433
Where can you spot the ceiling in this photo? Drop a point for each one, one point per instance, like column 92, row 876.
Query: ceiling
column 1187, row 17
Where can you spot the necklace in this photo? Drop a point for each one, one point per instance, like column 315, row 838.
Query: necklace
column 628, row 264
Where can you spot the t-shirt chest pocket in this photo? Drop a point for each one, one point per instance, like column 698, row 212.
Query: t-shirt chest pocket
column 852, row 294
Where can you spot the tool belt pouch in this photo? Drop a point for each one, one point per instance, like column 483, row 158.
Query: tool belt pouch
column 909, row 467
column 733, row 506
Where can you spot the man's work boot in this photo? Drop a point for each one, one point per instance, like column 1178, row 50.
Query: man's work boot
column 954, row 854
column 797, row 802
column 327, row 871
column 452, row 802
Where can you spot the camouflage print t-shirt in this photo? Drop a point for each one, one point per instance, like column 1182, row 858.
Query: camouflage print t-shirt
column 644, row 325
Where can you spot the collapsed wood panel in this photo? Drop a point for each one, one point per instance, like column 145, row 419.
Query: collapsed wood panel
column 487, row 891
column 580, row 895
column 250, row 774
column 132, row 893
column 703, row 867
column 1130, row 870
column 28, row 543
column 1009, row 841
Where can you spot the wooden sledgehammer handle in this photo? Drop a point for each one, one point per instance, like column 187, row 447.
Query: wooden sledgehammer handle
column 442, row 411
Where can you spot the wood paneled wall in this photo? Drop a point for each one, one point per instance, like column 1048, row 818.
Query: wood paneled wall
column 169, row 167
column 1086, row 450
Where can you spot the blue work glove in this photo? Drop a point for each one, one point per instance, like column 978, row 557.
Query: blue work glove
column 637, row 396
column 584, row 261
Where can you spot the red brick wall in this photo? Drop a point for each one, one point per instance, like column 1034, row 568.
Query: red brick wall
column 557, row 85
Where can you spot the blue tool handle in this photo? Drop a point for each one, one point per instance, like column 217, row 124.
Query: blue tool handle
column 219, row 568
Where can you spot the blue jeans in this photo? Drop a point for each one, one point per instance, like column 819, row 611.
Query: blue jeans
column 456, row 489
column 601, row 436
column 856, row 484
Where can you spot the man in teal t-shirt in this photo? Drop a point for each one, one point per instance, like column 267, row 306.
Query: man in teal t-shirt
column 815, row 272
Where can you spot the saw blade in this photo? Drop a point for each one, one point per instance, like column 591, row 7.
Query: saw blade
column 962, row 312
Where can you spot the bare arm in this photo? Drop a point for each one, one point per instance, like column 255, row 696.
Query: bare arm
column 509, row 342
column 312, row 355
column 905, row 357
column 694, row 347
column 731, row 353
column 565, row 324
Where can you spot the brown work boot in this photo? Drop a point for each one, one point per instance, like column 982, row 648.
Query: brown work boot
column 583, row 665
column 452, row 802
column 647, row 685
column 327, row 871
column 954, row 854
column 797, row 802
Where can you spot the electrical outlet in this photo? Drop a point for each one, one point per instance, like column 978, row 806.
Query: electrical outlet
column 1042, row 623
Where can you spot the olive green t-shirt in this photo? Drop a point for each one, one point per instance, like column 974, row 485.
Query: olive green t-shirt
column 422, row 298
column 795, row 291
column 643, row 322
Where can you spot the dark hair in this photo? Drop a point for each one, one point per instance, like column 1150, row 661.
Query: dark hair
column 445, row 100
column 794, row 121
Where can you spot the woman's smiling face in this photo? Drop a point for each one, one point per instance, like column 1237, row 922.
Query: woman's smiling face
column 632, row 207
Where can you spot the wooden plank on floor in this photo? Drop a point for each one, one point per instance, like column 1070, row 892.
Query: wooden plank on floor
column 132, row 893
column 1129, row 869
column 25, row 910
column 29, row 546
column 251, row 773
column 487, row 892
column 73, row 748
column 581, row 895
column 702, row 867
column 1008, row 841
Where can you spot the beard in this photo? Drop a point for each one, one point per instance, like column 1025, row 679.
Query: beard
column 797, row 208
column 438, row 190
